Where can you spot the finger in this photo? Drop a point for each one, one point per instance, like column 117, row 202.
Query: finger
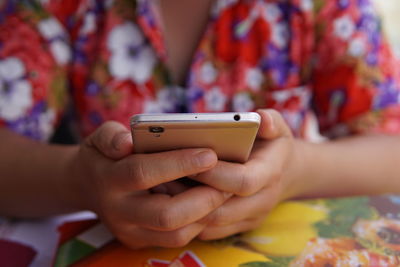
column 272, row 125
column 226, row 176
column 217, row 232
column 112, row 139
column 137, row 237
column 144, row 171
column 243, row 179
column 238, row 209
column 166, row 213
column 265, row 166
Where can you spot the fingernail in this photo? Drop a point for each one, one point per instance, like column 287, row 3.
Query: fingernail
column 205, row 158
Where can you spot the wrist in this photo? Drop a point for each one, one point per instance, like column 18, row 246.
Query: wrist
column 72, row 187
column 297, row 175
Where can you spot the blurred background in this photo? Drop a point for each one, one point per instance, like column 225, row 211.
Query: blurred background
column 390, row 10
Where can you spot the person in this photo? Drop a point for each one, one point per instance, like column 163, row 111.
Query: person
column 319, row 73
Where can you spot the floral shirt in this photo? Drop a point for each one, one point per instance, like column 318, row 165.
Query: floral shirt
column 322, row 63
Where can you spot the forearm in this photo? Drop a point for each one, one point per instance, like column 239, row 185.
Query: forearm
column 34, row 177
column 352, row 166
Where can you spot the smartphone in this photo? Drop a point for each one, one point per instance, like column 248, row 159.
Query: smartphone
column 230, row 135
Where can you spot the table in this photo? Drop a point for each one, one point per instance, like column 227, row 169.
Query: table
column 358, row 231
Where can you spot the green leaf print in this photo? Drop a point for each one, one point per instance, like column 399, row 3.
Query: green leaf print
column 275, row 262
column 343, row 214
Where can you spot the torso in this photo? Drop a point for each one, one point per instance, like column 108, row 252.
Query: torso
column 314, row 61
column 184, row 23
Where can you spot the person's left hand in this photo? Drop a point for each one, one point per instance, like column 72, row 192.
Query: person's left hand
column 258, row 185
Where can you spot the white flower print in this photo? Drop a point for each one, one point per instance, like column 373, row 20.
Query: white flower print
column 55, row 34
column 306, row 5
column 302, row 92
column 89, row 23
column 270, row 12
column 15, row 91
column 208, row 73
column 254, row 78
column 50, row 28
column 282, row 96
column 215, row 99
column 242, row 102
column 132, row 58
column 344, row 27
column 311, row 129
column 46, row 121
column 151, row 106
column 221, row 5
column 293, row 119
column 166, row 101
column 61, row 52
column 357, row 47
column 368, row 10
column 280, row 35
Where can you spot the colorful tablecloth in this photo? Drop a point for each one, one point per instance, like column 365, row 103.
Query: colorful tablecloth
column 361, row 231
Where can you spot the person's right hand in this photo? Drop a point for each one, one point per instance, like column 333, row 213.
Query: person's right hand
column 115, row 184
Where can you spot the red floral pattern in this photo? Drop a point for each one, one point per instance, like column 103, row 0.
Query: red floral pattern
column 322, row 64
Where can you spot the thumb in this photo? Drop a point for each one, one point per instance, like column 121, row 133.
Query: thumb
column 112, row 139
column 272, row 125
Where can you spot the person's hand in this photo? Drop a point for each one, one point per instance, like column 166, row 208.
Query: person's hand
column 115, row 184
column 258, row 185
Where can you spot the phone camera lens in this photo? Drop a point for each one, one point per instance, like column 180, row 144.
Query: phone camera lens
column 156, row 129
column 236, row 117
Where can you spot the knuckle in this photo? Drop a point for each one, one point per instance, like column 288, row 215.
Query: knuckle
column 103, row 137
column 213, row 200
column 205, row 236
column 274, row 177
column 179, row 239
column 166, row 219
column 137, row 173
column 247, row 185
column 218, row 218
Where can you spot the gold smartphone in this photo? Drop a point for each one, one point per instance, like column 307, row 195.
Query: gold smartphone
column 230, row 135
